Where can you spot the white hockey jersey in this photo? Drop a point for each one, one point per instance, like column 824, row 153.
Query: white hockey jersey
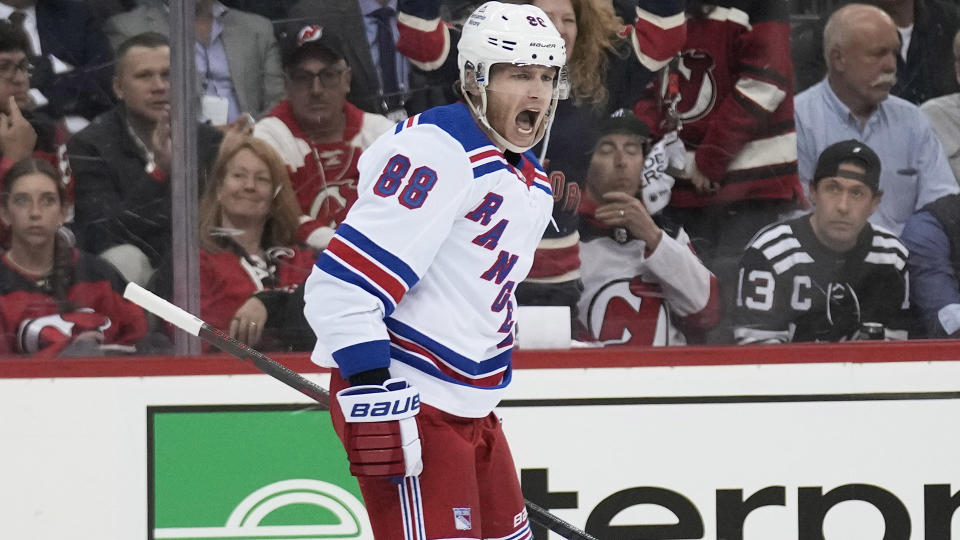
column 419, row 277
column 633, row 297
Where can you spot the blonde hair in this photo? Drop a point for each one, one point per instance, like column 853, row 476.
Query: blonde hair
column 284, row 217
column 597, row 35
column 598, row 28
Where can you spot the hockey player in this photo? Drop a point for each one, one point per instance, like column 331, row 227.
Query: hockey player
column 609, row 64
column 820, row 277
column 412, row 299
column 643, row 285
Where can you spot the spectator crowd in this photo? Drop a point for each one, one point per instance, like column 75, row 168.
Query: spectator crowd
column 727, row 172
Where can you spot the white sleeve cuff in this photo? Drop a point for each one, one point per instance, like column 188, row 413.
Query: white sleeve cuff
column 949, row 316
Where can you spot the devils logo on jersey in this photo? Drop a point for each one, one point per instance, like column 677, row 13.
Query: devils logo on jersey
column 626, row 312
column 698, row 85
column 337, row 189
column 56, row 331
column 333, row 200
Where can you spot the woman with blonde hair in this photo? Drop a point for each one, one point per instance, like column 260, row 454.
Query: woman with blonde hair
column 250, row 265
column 598, row 47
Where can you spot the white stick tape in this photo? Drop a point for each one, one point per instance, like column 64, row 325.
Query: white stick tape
column 163, row 309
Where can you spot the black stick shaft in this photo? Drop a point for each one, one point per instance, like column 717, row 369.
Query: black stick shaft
column 541, row 516
column 278, row 371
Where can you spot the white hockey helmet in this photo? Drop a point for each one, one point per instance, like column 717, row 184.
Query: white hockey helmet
column 520, row 34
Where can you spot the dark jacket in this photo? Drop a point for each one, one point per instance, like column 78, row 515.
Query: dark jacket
column 70, row 32
column 117, row 201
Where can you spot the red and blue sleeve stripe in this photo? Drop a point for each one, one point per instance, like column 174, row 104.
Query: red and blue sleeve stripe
column 486, row 160
column 540, row 181
column 409, row 122
column 355, row 259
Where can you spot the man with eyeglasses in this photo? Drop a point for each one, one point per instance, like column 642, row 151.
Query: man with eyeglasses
column 319, row 134
column 23, row 131
column 73, row 59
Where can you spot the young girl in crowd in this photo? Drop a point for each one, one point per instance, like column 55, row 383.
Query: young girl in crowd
column 55, row 299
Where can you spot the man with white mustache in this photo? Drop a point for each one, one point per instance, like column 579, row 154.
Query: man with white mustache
column 854, row 102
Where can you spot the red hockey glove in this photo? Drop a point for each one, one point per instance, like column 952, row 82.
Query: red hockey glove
column 382, row 437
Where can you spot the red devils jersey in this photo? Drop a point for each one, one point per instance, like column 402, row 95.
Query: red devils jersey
column 324, row 175
column 338, row 191
column 736, row 106
column 229, row 279
column 32, row 321
column 632, row 296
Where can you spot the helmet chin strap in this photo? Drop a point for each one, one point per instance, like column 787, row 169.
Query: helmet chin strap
column 481, row 114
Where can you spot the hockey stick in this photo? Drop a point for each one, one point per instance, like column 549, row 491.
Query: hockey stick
column 216, row 337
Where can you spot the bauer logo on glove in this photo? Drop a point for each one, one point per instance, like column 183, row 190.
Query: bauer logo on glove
column 403, row 404
column 382, row 436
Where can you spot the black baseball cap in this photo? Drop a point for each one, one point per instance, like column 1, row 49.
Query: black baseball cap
column 624, row 121
column 313, row 42
column 849, row 151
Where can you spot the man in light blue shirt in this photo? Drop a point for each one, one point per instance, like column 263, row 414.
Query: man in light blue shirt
column 211, row 59
column 932, row 236
column 854, row 102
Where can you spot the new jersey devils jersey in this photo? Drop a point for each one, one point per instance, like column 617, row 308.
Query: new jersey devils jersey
column 793, row 288
column 420, row 276
column 33, row 322
column 736, row 103
column 229, row 277
column 634, row 297
column 323, row 175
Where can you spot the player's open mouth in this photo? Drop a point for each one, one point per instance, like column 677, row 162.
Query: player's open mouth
column 526, row 120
